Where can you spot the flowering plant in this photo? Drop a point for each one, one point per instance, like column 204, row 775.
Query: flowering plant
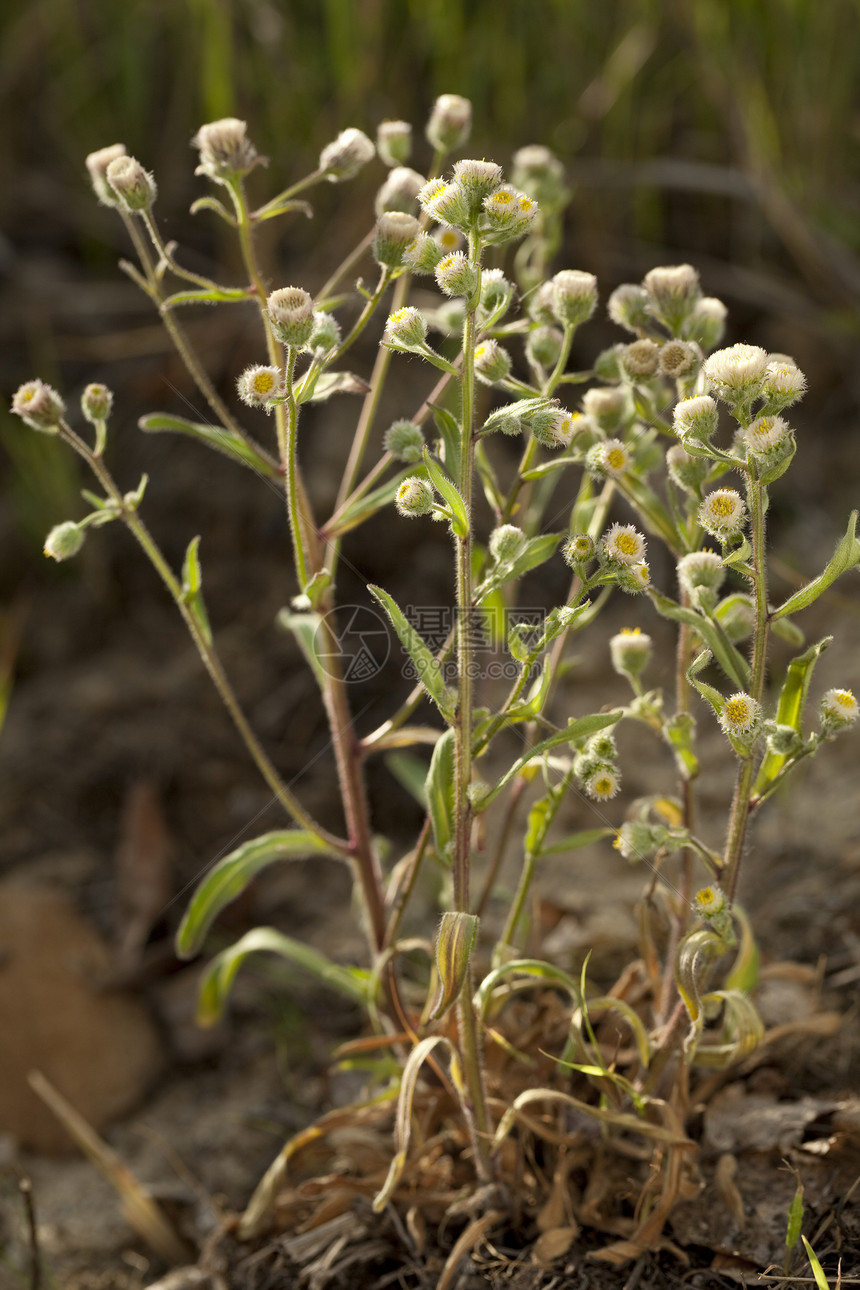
column 668, row 417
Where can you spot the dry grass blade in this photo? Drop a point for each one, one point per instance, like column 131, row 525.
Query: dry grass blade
column 469, row 1239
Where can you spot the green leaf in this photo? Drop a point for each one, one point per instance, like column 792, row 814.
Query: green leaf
column 318, row 586
column 449, row 431
column 371, row 502
column 537, row 968
column 789, row 711
column 212, row 296
column 439, row 790
column 447, row 490
column 212, row 204
column 276, row 207
column 573, row 841
column 817, row 1269
column 535, row 552
column 582, row 728
column 232, row 874
column 221, row 972
column 192, row 594
column 680, row 731
column 846, row 556
column 745, row 969
column 304, row 627
column 535, row 700
column 411, row 772
column 454, row 945
column 795, row 1218
column 427, row 666
column 225, row 441
column 708, row 693
column 774, row 472
column 733, row 664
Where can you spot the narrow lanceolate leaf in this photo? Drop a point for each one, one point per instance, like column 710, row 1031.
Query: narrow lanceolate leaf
column 363, row 507
column 733, row 664
column 231, row 875
column 212, row 204
column 426, row 664
column 789, row 712
column 440, row 793
column 449, row 430
column 221, row 972
column 582, row 728
column 454, row 945
column 845, row 557
column 304, row 628
column 192, row 590
column 225, row 441
column 446, row 489
column 208, row 296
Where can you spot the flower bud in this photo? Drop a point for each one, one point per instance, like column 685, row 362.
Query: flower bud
column 506, row 543
column 496, row 295
column 637, row 840
column 696, row 418
column 422, row 254
column 400, row 191
column 701, row 569
column 609, row 366
column 706, row 323
column 627, row 307
column 633, row 578
column 406, row 327
column 539, row 304
column 97, row 164
column 394, row 142
column 641, row 358
column 64, row 541
column 737, row 374
column 723, row 513
column 260, row 386
column 783, row 384
column 394, row 232
column 454, row 945
column 623, row 544
column 540, row 174
column 711, row 904
column 492, row 362
column 677, row 359
column 450, row 122
column 326, row 332
column 781, row 739
column 602, row 747
column 687, row 472
column 552, row 426
column 291, row 312
column 134, row 187
column 39, row 405
column 96, row 403
column 630, row 651
column 543, row 346
column 838, row 708
column 740, row 716
column 447, row 203
column 414, row 497
column 478, row 179
column 455, row 275
column 578, row 549
column 225, row 150
column 404, row 440
column 574, row 296
column 672, row 294
column 346, row 155
column 605, row 408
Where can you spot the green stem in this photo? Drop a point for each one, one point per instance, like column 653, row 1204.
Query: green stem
column 530, row 864
column 287, row 439
column 168, row 260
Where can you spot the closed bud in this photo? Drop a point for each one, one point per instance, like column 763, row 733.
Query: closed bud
column 39, row 405
column 540, row 174
column 672, row 294
column 603, row 747
column 637, row 840
column 782, row 739
column 478, row 179
column 606, row 408
column 496, row 296
column 706, row 322
column 394, row 142
column 422, row 254
column 407, row 327
column 687, row 472
column 450, row 122
column 326, row 332
column 134, row 187
column 578, row 549
column 630, row 651
column 226, row 152
column 627, row 306
column 783, row 383
column 96, row 403
column 737, row 374
column 609, row 365
column 492, row 362
column 447, row 203
column 400, row 191
column 574, row 296
column 394, row 232
column 455, row 275
column 641, row 358
column 696, row 418
column 506, row 543
column 414, row 497
column 64, row 541
column 701, row 569
column 543, row 346
column 291, row 312
column 677, row 359
column 97, row 164
column 346, row 155
column 404, row 440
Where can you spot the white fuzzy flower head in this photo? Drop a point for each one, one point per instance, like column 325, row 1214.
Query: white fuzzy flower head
column 479, row 178
column 766, row 436
column 450, row 122
column 578, row 549
column 696, row 418
column 225, row 149
column 400, row 191
column 624, row 544
column 707, row 322
column 455, row 275
column 574, row 296
column 346, row 155
column 134, row 187
column 784, row 384
column 449, row 239
column 395, row 230
column 630, row 651
column 612, row 458
column 422, row 254
column 492, row 362
column 444, row 202
column 701, row 569
column 740, row 715
column 838, row 708
column 672, row 293
column 685, row 471
column 506, row 543
column 627, row 307
column 539, row 173
column 260, row 386
column 641, row 358
column 97, row 164
column 723, row 513
column 737, row 374
column 603, row 783
column 39, row 405
column 414, row 497
column 291, row 314
column 605, row 407
column 406, row 326
column 634, row 578
column 508, row 213
column 677, row 359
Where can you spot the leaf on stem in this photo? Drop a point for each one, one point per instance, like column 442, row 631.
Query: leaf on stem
column 448, row 490
column 304, row 627
column 192, row 589
column 789, row 711
column 454, row 944
column 440, row 793
column 213, row 204
column 427, row 666
column 324, row 385
column 208, row 296
column 846, row 556
column 733, row 664
column 225, row 441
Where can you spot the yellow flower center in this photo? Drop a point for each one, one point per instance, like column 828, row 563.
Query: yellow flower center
column 449, row 239
column 502, row 199
column 737, row 711
column 626, row 543
column 617, row 458
column 264, row 382
column 630, row 631
column 525, row 204
column 845, row 698
column 722, row 505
